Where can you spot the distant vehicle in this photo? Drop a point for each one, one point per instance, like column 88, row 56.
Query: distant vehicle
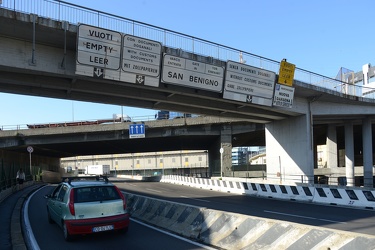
column 121, row 118
column 86, row 207
column 164, row 115
column 97, row 170
column 174, row 115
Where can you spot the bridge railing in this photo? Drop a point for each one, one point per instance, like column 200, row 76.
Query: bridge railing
column 143, row 118
column 63, row 11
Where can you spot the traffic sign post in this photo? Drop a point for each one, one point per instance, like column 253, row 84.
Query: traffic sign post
column 137, row 131
column 30, row 150
column 249, row 84
column 221, row 162
column 286, row 73
column 141, row 56
column 192, row 74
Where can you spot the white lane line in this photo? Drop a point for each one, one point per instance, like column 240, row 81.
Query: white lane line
column 154, row 190
column 305, row 217
column 173, row 235
column 194, row 199
column 333, row 221
column 165, row 189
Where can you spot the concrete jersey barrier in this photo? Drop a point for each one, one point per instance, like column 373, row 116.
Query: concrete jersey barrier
column 236, row 231
column 343, row 196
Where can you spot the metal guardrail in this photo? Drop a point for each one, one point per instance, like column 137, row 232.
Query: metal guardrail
column 63, row 11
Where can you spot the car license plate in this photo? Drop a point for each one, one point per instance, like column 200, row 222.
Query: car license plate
column 102, row 228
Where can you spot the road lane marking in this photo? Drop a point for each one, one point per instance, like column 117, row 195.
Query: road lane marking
column 173, row 235
column 333, row 221
column 194, row 199
column 305, row 217
column 154, row 190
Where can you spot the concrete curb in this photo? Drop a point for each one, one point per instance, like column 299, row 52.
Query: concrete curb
column 18, row 241
column 235, row 231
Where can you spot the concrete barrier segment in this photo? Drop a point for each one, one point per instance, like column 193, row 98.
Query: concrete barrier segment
column 344, row 196
column 236, row 231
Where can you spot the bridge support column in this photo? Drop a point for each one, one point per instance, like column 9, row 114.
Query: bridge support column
column 221, row 163
column 289, row 150
column 331, row 147
column 349, row 154
column 367, row 153
column 226, row 145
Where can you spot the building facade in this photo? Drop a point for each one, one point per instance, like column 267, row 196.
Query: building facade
column 181, row 162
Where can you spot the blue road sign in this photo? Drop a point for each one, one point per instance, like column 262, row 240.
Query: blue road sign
column 137, row 131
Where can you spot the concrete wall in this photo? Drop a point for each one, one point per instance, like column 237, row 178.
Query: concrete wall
column 48, row 59
column 10, row 162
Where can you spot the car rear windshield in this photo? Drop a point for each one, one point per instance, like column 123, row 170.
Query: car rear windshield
column 96, row 193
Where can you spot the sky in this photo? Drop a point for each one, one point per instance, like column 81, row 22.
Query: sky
column 319, row 36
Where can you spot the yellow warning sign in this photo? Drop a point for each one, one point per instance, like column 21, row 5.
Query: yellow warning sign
column 286, row 73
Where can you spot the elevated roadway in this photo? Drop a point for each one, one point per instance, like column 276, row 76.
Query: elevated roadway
column 53, row 75
column 39, row 57
column 198, row 133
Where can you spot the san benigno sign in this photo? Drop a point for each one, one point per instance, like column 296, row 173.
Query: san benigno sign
column 192, row 74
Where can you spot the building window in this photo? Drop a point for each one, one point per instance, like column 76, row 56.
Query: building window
column 200, row 158
column 173, row 160
column 186, row 159
column 161, row 160
column 149, row 161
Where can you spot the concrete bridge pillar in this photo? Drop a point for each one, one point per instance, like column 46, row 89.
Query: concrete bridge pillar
column 367, row 153
column 289, row 150
column 349, row 154
column 331, row 142
column 221, row 163
column 226, row 146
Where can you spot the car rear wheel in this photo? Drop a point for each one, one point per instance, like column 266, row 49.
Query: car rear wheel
column 67, row 235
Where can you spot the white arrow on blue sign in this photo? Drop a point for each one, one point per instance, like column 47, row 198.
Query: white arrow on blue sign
column 137, row 131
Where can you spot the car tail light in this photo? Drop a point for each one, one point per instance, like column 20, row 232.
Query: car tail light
column 122, row 197
column 71, row 202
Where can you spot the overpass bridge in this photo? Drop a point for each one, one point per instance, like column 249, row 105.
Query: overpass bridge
column 42, row 55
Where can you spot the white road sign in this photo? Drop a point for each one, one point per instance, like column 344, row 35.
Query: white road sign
column 141, row 56
column 98, row 47
column 283, row 96
column 249, row 82
column 193, row 74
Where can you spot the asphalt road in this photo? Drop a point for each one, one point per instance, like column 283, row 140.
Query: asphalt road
column 143, row 237
column 139, row 236
column 332, row 217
